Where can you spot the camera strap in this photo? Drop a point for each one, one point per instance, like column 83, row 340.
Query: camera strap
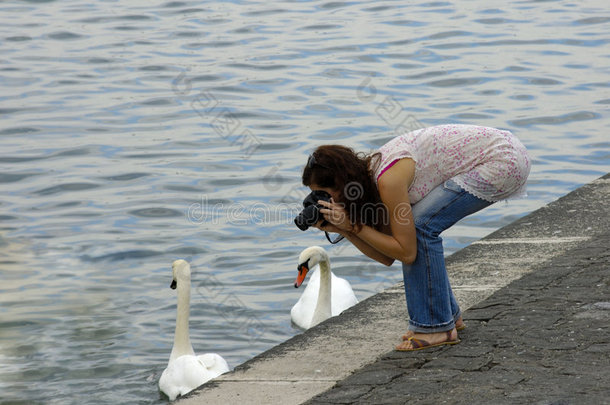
column 337, row 240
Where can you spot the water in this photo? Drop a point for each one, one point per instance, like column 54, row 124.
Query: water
column 135, row 133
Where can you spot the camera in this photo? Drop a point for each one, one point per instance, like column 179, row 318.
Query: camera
column 311, row 211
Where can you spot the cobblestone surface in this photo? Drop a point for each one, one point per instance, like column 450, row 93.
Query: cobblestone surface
column 537, row 306
column 543, row 339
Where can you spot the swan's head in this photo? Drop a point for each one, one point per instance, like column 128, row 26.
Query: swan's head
column 308, row 259
column 181, row 271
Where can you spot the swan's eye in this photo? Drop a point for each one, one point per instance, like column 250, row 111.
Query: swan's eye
column 303, row 266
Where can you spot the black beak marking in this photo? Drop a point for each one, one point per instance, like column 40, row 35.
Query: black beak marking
column 304, row 264
column 300, row 267
column 173, row 285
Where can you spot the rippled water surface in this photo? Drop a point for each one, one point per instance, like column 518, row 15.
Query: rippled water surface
column 134, row 133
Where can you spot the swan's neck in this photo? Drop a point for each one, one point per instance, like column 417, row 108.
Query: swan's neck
column 182, row 341
column 323, row 306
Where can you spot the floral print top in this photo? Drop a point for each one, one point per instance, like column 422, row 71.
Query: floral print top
column 489, row 163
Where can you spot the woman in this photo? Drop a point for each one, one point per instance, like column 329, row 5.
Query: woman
column 393, row 204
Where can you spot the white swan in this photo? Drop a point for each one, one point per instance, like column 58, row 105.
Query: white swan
column 185, row 371
column 326, row 295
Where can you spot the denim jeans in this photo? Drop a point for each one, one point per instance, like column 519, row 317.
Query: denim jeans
column 430, row 302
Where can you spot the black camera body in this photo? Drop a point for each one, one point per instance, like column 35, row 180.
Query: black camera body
column 311, row 211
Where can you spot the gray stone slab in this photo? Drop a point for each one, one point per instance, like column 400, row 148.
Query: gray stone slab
column 533, row 295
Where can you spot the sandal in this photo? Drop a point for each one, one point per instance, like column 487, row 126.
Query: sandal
column 419, row 344
column 410, row 333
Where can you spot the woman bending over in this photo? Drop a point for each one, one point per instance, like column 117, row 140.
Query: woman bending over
column 394, row 204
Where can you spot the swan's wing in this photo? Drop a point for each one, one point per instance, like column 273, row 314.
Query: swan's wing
column 214, row 363
column 299, row 315
column 302, row 312
column 183, row 375
column 343, row 296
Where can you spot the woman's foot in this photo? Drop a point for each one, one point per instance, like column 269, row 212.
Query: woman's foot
column 425, row 340
column 459, row 325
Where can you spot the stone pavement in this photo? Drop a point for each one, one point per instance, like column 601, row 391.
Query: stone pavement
column 536, row 301
column 543, row 339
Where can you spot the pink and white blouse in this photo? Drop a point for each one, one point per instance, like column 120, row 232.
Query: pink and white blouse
column 489, row 163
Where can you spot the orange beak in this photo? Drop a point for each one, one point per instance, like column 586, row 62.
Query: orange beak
column 303, row 269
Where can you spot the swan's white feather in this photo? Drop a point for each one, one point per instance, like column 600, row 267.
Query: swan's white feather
column 188, row 372
column 214, row 363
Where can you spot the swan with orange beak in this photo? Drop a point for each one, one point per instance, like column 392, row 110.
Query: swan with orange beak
column 326, row 294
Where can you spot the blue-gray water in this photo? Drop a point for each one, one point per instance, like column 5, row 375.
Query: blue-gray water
column 134, row 133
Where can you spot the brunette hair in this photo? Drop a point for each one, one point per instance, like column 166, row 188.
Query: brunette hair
column 352, row 175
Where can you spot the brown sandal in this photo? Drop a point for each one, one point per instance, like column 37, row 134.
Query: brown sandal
column 419, row 344
column 410, row 333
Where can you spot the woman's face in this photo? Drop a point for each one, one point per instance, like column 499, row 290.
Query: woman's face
column 333, row 193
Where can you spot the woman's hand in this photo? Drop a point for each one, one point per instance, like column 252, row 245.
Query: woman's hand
column 327, row 227
column 337, row 217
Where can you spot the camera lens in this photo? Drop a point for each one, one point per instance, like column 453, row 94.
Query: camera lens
column 311, row 213
column 307, row 217
column 299, row 221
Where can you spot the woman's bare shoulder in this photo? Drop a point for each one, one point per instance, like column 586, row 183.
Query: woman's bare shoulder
column 401, row 173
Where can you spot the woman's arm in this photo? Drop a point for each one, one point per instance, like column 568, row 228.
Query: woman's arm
column 358, row 243
column 368, row 249
column 401, row 244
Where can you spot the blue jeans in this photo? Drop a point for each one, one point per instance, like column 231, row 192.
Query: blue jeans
column 430, row 302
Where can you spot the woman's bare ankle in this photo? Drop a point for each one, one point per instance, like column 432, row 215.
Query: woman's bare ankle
column 459, row 324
